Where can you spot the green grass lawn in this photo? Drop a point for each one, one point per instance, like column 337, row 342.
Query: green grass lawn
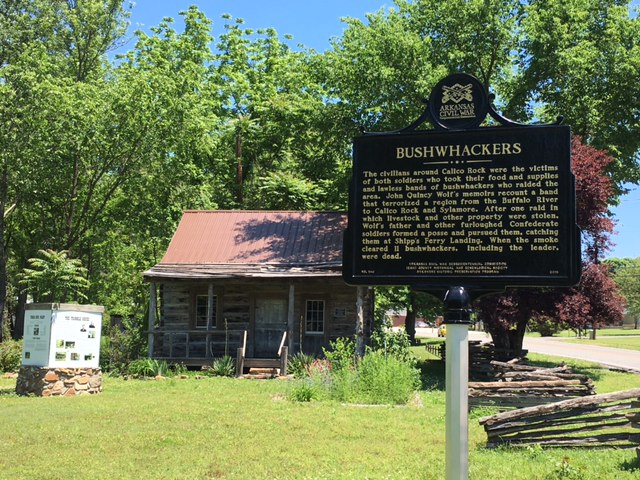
column 604, row 332
column 630, row 343
column 217, row 428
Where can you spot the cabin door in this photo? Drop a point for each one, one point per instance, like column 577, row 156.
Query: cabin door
column 271, row 323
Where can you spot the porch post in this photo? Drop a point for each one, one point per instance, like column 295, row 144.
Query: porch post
column 153, row 300
column 360, row 292
column 210, row 306
column 290, row 318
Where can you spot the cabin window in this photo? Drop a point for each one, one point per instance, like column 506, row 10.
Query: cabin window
column 202, row 304
column 315, row 316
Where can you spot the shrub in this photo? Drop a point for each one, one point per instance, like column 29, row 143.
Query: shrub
column 343, row 386
column 118, row 349
column 10, row 355
column 148, row 367
column 545, row 326
column 304, row 390
column 342, row 353
column 386, row 380
column 223, row 367
column 299, row 364
column 392, row 343
column 315, row 384
column 376, row 379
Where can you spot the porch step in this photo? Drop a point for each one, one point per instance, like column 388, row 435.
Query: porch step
column 262, row 363
column 262, row 374
column 264, row 371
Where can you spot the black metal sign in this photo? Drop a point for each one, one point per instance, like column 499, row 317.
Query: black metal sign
column 486, row 207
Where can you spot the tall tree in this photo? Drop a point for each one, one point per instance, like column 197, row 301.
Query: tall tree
column 579, row 59
column 626, row 274
column 273, row 135
column 543, row 59
column 595, row 300
column 169, row 75
column 45, row 47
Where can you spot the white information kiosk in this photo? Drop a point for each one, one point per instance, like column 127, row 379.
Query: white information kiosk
column 62, row 335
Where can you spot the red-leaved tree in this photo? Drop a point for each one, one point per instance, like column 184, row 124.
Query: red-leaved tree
column 595, row 300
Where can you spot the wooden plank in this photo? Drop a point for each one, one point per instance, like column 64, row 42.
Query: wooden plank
column 558, row 416
column 261, row 363
column 550, row 432
column 524, row 376
column 510, row 403
column 566, row 404
column 593, row 441
column 284, row 360
column 523, row 384
column 240, row 360
column 284, row 337
column 528, row 368
column 633, row 417
column 513, row 427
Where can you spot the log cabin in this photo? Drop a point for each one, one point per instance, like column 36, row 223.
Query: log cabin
column 265, row 273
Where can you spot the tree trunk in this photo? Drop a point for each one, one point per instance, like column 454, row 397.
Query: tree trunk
column 509, row 339
column 410, row 319
column 18, row 327
column 4, row 187
column 239, row 172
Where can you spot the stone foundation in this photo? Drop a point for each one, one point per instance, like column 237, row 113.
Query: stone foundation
column 48, row 382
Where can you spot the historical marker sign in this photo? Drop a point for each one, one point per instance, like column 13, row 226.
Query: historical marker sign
column 462, row 208
column 488, row 207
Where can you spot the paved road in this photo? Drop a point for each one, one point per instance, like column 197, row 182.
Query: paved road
column 611, row 357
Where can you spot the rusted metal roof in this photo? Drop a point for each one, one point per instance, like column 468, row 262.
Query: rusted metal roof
column 253, row 243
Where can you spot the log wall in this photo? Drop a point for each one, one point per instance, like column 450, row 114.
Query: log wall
column 236, row 300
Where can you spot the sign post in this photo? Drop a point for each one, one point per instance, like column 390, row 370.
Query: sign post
column 457, row 317
column 463, row 209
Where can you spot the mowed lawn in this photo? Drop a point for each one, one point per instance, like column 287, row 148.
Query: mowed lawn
column 628, row 342
column 218, row 428
column 602, row 332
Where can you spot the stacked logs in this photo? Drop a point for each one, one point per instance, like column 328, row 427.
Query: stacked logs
column 517, row 386
column 483, row 355
column 596, row 421
column 480, row 357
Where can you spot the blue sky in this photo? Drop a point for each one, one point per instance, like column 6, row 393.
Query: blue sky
column 313, row 23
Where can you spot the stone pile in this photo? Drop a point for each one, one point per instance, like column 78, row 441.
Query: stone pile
column 49, row 381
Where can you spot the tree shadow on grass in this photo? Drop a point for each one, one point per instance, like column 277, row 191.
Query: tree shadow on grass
column 631, row 465
column 7, row 392
column 432, row 374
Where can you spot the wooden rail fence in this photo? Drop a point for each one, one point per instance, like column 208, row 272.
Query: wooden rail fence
column 518, row 386
column 480, row 357
column 597, row 421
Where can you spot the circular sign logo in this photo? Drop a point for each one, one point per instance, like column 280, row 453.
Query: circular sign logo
column 458, row 102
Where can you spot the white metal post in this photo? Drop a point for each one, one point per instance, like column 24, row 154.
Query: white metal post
column 457, row 418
